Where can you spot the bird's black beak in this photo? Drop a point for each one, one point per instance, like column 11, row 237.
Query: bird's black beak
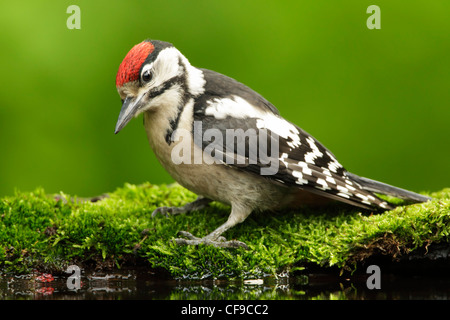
column 130, row 108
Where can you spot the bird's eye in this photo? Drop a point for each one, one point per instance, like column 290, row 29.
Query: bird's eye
column 147, row 76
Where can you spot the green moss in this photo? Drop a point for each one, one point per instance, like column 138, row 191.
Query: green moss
column 41, row 231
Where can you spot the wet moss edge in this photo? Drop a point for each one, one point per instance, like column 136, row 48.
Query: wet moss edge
column 116, row 230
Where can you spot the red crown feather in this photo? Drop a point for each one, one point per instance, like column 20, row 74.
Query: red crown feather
column 129, row 68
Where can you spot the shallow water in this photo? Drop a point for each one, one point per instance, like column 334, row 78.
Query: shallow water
column 142, row 284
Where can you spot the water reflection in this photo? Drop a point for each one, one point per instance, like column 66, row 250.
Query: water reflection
column 141, row 284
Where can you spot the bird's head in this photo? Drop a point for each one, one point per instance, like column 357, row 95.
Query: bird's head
column 153, row 75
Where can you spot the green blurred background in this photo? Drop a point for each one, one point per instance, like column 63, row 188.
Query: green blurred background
column 379, row 99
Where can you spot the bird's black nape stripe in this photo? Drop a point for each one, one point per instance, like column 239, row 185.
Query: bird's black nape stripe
column 174, row 122
column 182, row 81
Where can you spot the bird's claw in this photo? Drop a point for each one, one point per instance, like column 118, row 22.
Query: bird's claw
column 165, row 211
column 198, row 204
column 220, row 241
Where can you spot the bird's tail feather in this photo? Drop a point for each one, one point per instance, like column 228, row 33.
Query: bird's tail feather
column 383, row 188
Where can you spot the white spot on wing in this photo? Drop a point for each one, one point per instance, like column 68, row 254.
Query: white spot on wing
column 281, row 127
column 305, row 169
column 237, row 107
column 361, row 196
column 310, row 157
column 333, row 166
column 299, row 177
column 384, row 205
column 323, row 184
column 331, row 180
column 343, row 195
column 314, row 147
column 222, row 108
column 283, row 157
column 314, row 154
column 350, row 188
column 342, row 189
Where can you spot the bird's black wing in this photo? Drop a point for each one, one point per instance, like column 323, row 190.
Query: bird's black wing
column 254, row 139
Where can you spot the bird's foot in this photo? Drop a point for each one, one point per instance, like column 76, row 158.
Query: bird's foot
column 168, row 211
column 217, row 242
column 198, row 204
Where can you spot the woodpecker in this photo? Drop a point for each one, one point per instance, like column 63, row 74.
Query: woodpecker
column 192, row 107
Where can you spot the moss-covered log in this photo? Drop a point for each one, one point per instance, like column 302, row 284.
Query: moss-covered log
column 52, row 232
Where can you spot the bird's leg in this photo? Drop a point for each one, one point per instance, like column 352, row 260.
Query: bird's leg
column 198, row 204
column 238, row 214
